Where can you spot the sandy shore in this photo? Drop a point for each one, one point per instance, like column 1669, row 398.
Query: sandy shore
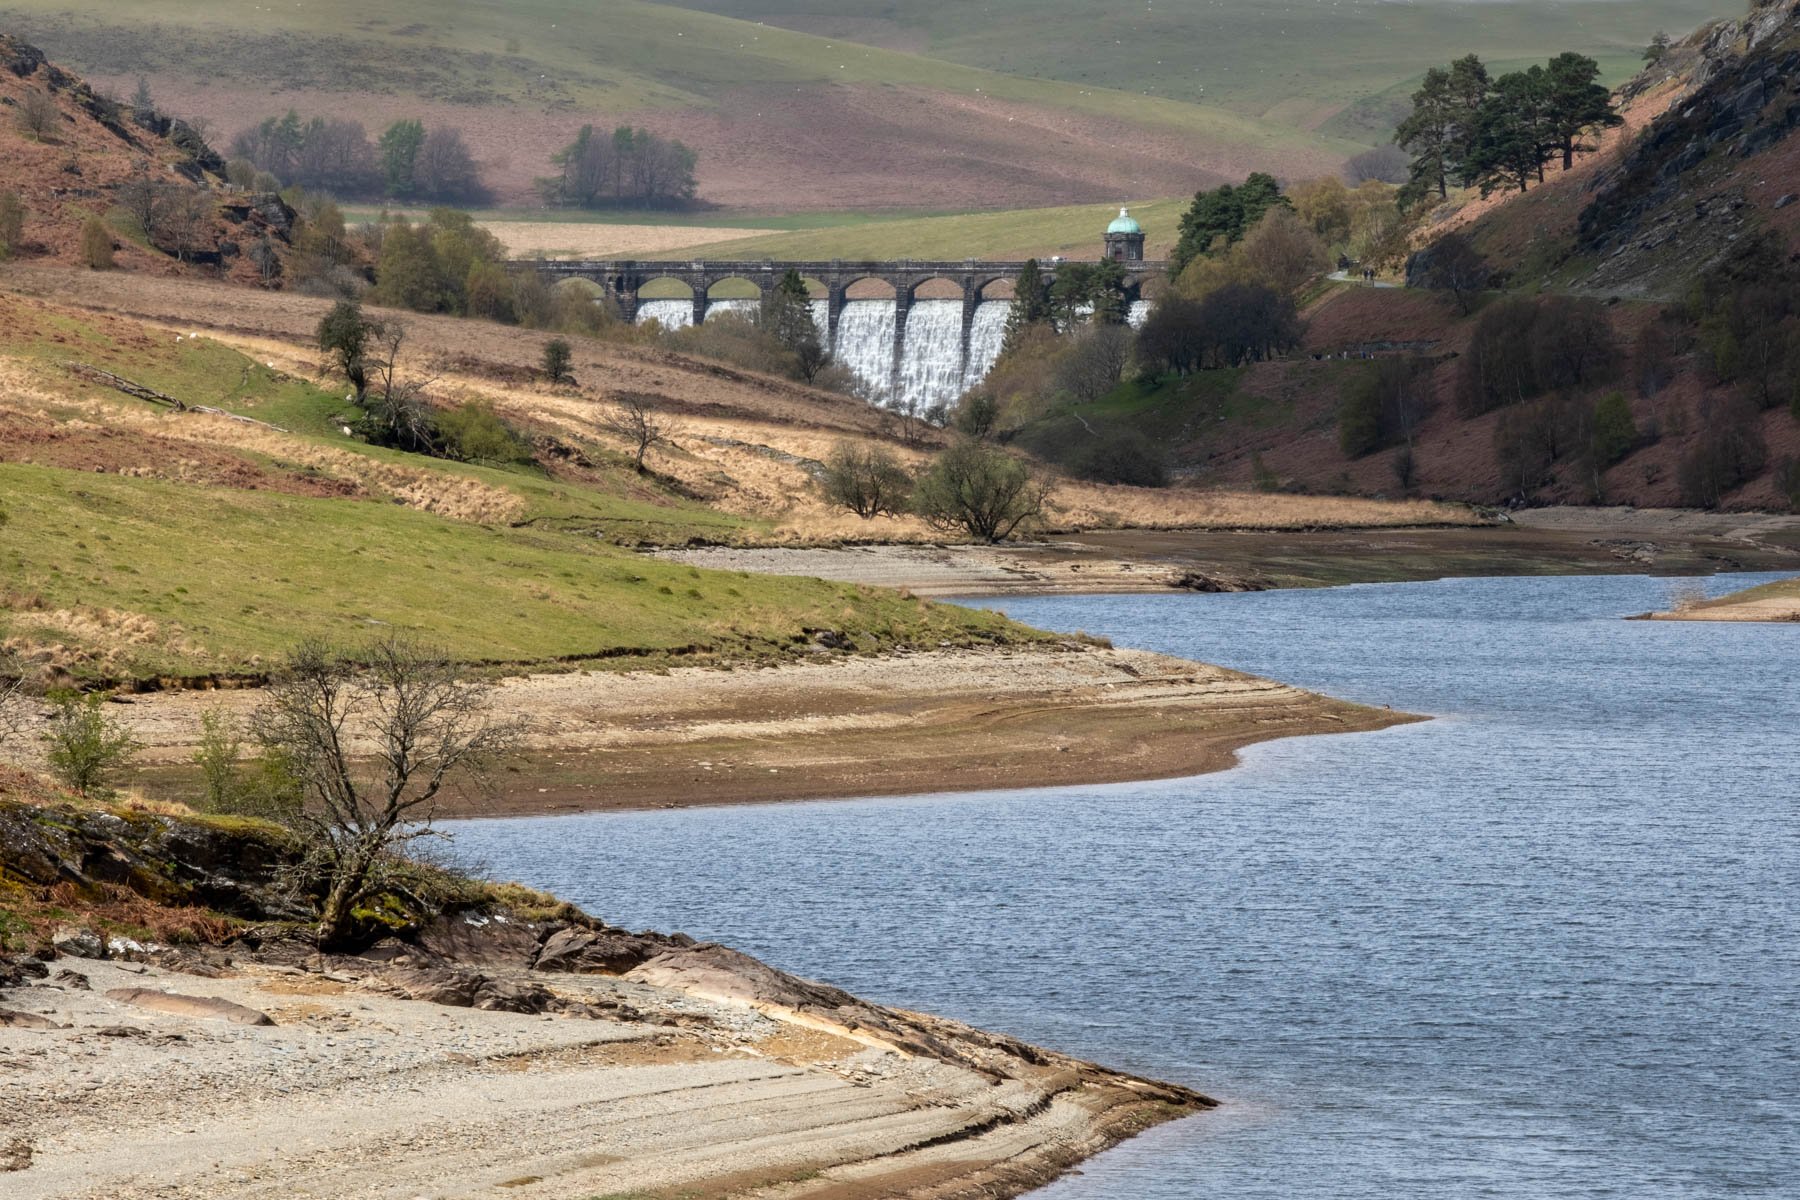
column 699, row 1074
column 1585, row 541
column 1776, row 603
column 950, row 720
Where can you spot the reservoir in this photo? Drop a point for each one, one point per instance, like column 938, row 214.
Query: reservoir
column 1546, row 944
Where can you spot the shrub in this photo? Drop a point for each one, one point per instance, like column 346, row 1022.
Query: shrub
column 96, row 245
column 37, row 116
column 555, row 361
column 1384, row 407
column 867, row 480
column 1614, row 430
column 1522, row 348
column 1729, row 452
column 1121, row 456
column 475, row 433
column 980, row 489
column 12, row 223
column 87, row 748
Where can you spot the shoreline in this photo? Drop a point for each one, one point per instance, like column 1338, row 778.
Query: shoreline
column 921, row 723
column 490, row 1052
column 1550, row 541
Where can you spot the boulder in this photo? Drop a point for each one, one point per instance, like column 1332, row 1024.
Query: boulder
column 78, row 942
column 587, row 952
column 436, row 985
column 205, row 1007
column 504, row 995
column 11, row 1019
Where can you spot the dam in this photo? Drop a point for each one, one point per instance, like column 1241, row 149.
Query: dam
column 917, row 332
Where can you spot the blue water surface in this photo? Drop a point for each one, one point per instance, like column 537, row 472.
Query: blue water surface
column 1545, row 945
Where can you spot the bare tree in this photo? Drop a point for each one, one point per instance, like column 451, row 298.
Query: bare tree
column 445, row 169
column 188, row 221
column 152, row 203
column 373, row 743
column 1093, row 365
column 396, row 400
column 642, row 427
column 38, row 115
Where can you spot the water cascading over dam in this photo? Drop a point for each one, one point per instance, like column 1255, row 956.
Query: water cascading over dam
column 932, row 369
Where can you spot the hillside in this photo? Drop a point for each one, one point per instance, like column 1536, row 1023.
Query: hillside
column 1335, row 66
column 905, row 131
column 1706, row 158
column 1670, row 244
column 78, row 167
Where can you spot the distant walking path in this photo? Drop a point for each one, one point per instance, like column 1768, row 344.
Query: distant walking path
column 1345, row 277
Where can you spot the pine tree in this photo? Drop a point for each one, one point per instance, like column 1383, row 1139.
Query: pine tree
column 1658, row 47
column 787, row 315
column 1429, row 135
column 1225, row 213
column 399, row 149
column 1513, row 137
column 1031, row 304
column 1577, row 103
column 1467, row 89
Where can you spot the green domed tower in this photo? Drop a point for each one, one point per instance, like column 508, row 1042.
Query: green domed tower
column 1125, row 239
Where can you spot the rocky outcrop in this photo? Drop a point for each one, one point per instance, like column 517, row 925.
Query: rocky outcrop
column 230, row 867
column 1745, row 101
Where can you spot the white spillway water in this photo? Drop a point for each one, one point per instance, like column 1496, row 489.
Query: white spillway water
column 670, row 314
column 718, row 308
column 985, row 340
column 931, row 370
column 1137, row 313
column 821, row 314
column 865, row 342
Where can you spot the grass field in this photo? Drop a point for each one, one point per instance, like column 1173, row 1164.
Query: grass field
column 141, row 577
column 1074, row 231
column 136, row 543
column 1290, row 62
column 559, row 55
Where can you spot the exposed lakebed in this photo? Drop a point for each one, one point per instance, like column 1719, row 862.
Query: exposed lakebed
column 1543, row 945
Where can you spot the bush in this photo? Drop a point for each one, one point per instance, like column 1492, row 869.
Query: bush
column 1121, row 456
column 556, row 359
column 475, row 433
column 87, row 748
column 1729, row 452
column 980, row 489
column 1522, row 348
column 96, row 245
column 1614, row 430
column 37, row 116
column 867, row 480
column 12, row 224
column 1384, row 407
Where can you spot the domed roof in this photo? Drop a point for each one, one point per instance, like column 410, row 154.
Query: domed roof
column 1124, row 224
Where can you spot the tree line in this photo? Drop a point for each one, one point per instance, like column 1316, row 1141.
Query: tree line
column 408, row 162
column 1469, row 129
column 632, row 168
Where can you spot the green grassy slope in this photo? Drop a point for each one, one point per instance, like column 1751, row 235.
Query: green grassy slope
column 135, row 562
column 146, row 577
column 558, row 55
column 1290, row 61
